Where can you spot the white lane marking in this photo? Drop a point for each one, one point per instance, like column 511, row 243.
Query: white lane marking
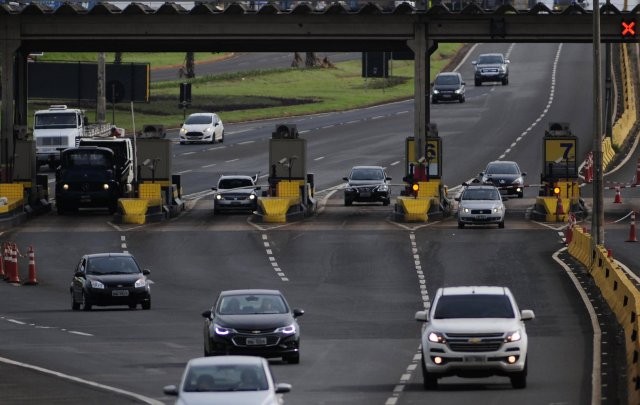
column 245, row 142
column 319, row 158
column 187, row 153
column 205, row 166
column 397, row 162
column 75, row 332
column 142, row 398
column 217, row 147
column 272, row 259
column 185, row 171
column 232, row 160
column 417, row 357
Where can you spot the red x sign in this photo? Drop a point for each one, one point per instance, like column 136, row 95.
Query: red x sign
column 628, row 28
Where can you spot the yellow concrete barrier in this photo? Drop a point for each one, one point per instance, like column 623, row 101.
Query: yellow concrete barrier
column 134, row 210
column 14, row 193
column 275, row 209
column 415, row 209
column 428, row 189
column 289, row 188
column 550, row 205
column 152, row 192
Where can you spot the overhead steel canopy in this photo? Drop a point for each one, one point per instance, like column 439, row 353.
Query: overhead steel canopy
column 205, row 27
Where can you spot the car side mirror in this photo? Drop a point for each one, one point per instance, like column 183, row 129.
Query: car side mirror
column 456, row 198
column 214, row 188
column 389, row 178
column 475, row 62
column 257, row 188
column 170, row 390
column 207, row 314
column 422, row 316
column 146, row 272
column 282, row 388
column 345, row 178
column 507, row 61
column 297, row 312
column 524, row 173
column 79, row 274
column 463, row 83
column 527, row 315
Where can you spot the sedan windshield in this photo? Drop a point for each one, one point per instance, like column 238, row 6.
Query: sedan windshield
column 481, row 194
column 473, row 306
column 199, row 119
column 367, row 174
column 447, row 80
column 235, row 183
column 502, row 168
column 112, row 265
column 252, row 304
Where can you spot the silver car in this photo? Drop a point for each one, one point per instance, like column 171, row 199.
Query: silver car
column 491, row 67
column 229, row 380
column 235, row 193
column 480, row 205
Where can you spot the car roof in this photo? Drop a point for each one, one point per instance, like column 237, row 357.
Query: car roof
column 448, row 74
column 236, row 176
column 367, row 167
column 495, row 162
column 250, row 291
column 228, row 359
column 465, row 290
column 480, row 185
column 113, row 254
column 491, row 54
column 201, row 113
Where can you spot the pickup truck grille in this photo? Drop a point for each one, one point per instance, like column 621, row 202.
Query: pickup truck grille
column 472, row 342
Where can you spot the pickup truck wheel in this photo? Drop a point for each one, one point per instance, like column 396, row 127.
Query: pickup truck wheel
column 519, row 380
column 429, row 381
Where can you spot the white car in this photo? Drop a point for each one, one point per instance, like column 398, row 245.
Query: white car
column 229, row 380
column 472, row 332
column 480, row 204
column 202, row 127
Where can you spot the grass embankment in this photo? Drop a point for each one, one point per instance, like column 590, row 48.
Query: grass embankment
column 259, row 94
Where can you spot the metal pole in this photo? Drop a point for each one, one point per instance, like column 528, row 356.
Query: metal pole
column 598, row 213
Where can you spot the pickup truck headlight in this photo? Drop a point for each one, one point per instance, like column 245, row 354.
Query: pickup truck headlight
column 105, row 186
column 252, row 197
column 513, row 337
column 436, row 337
column 65, row 187
column 383, row 188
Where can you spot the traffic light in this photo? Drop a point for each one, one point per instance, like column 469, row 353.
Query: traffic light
column 628, row 29
column 556, row 190
column 415, row 187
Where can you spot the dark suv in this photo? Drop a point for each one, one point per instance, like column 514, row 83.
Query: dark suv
column 491, row 67
column 367, row 184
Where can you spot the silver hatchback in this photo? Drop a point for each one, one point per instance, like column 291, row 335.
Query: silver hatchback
column 480, row 205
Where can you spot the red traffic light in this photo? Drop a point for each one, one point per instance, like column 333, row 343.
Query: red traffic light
column 628, row 28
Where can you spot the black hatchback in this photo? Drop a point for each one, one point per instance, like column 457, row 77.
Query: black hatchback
column 252, row 322
column 104, row 279
column 448, row 86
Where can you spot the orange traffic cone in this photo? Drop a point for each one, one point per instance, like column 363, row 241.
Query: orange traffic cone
column 568, row 232
column 632, row 229
column 618, row 198
column 14, row 277
column 32, row 268
column 559, row 210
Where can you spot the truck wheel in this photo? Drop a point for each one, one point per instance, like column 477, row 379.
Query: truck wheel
column 59, row 208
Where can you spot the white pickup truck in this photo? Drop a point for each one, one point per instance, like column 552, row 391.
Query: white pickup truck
column 59, row 128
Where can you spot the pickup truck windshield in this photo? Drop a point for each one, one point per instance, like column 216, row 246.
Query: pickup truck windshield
column 473, row 306
column 56, row 120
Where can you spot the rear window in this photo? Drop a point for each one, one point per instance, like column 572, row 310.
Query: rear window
column 473, row 306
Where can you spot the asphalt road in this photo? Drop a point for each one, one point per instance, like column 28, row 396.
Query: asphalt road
column 355, row 271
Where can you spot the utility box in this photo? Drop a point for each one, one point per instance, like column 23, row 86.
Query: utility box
column 287, row 154
column 154, row 160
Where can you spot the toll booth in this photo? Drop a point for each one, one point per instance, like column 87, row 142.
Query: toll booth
column 424, row 195
column 559, row 189
column 290, row 193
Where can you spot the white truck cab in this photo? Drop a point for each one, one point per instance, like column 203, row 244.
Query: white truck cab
column 59, row 128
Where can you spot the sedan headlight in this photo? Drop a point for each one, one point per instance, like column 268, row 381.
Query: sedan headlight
column 519, row 181
column 96, row 284
column 466, row 210
column 222, row 331
column 459, row 91
column 209, row 129
column 436, row 337
column 383, row 188
column 141, row 282
column 497, row 209
column 105, row 186
column 513, row 337
column 65, row 186
column 252, row 196
column 218, row 197
column 287, row 330
column 435, row 91
column 183, row 131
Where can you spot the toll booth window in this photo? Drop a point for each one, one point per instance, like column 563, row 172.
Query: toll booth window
column 60, row 120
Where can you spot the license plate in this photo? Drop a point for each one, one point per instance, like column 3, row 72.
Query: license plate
column 85, row 198
column 120, row 293
column 475, row 359
column 446, row 95
column 481, row 217
column 253, row 341
column 365, row 194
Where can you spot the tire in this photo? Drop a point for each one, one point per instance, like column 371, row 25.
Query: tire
column 74, row 305
column 386, row 203
column 505, row 81
column 132, row 306
column 146, row 305
column 86, row 304
column 222, row 137
column 429, row 381
column 347, row 202
column 519, row 380
column 181, row 142
column 462, row 100
column 477, row 82
column 434, row 101
column 460, row 225
column 59, row 208
column 521, row 194
column 501, row 224
column 293, row 359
